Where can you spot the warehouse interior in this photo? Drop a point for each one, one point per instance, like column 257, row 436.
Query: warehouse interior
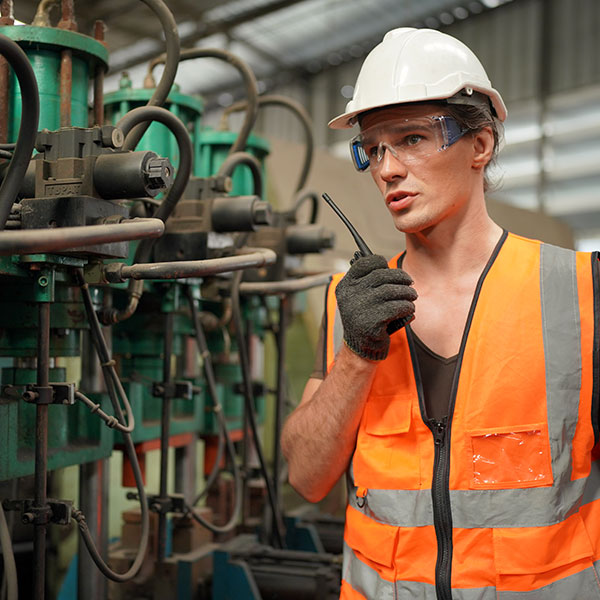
column 163, row 254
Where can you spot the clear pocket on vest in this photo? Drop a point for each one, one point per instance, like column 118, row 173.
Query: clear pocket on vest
column 514, row 458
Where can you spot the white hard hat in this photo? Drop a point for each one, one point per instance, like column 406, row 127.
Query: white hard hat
column 416, row 65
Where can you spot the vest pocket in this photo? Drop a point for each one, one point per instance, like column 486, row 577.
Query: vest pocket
column 387, row 451
column 515, row 457
column 371, row 540
column 546, row 562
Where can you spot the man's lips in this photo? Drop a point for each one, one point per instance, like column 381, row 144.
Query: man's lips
column 399, row 200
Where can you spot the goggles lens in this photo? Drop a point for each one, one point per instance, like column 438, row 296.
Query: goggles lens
column 408, row 140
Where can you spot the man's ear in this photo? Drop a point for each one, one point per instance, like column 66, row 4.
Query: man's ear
column 483, row 147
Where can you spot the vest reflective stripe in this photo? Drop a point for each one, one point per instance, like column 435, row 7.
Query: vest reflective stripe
column 539, row 329
column 479, row 508
column 366, row 581
column 562, row 350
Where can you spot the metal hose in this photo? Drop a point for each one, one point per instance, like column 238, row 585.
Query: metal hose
column 243, row 158
column 212, row 391
column 299, row 111
column 10, row 567
column 163, row 88
column 30, row 115
column 251, row 103
column 249, row 404
column 105, row 359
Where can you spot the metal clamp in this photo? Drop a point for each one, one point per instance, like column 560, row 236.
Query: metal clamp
column 54, row 511
column 54, row 393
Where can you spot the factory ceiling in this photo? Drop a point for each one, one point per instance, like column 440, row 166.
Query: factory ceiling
column 278, row 38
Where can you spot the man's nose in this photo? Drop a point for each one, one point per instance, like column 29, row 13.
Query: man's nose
column 391, row 165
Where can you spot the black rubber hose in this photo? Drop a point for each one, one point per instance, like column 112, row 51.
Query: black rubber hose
column 212, row 391
column 104, row 355
column 249, row 403
column 30, row 115
column 249, row 80
column 172, row 54
column 243, row 158
column 300, row 112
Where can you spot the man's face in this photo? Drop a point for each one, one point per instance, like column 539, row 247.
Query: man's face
column 419, row 191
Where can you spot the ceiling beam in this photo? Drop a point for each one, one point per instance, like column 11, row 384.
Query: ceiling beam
column 204, row 30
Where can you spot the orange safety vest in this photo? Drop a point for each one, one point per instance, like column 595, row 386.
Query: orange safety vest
column 501, row 500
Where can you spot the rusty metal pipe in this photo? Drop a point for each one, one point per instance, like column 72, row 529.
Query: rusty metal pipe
column 51, row 240
column 66, row 87
column 6, row 18
column 257, row 257
column 288, row 286
column 41, row 453
column 98, row 110
column 165, row 421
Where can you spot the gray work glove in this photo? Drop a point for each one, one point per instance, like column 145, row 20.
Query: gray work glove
column 374, row 301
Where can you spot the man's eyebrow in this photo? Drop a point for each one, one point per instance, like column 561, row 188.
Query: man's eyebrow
column 398, row 128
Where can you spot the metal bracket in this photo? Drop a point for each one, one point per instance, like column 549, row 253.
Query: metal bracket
column 163, row 504
column 174, row 389
column 55, row 393
column 55, row 511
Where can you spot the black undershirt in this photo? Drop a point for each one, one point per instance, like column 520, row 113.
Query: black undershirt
column 437, row 374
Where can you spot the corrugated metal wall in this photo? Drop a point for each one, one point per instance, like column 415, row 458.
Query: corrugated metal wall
column 544, row 58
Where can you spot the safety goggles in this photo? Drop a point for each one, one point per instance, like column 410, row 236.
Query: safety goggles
column 409, row 140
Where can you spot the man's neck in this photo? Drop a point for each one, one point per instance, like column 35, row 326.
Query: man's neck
column 454, row 246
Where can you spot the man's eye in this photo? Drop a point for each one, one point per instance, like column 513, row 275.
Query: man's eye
column 412, row 139
column 371, row 151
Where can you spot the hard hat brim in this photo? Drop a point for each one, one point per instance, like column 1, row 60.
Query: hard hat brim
column 348, row 119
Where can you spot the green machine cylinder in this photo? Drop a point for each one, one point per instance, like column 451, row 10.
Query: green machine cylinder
column 211, row 151
column 43, row 46
column 157, row 138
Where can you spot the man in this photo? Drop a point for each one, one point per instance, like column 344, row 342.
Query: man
column 467, row 435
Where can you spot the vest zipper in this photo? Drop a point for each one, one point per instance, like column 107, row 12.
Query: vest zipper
column 440, row 485
column 442, row 515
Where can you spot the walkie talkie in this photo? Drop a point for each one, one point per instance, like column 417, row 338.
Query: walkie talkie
column 364, row 250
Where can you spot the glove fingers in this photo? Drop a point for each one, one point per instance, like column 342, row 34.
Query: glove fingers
column 383, row 276
column 395, row 309
column 365, row 265
column 388, row 291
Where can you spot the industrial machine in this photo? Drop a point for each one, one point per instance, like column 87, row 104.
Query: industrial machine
column 141, row 272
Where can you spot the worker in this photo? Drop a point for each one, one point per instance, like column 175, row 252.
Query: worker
column 467, row 436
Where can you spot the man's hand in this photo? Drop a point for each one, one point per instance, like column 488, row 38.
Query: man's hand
column 369, row 297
